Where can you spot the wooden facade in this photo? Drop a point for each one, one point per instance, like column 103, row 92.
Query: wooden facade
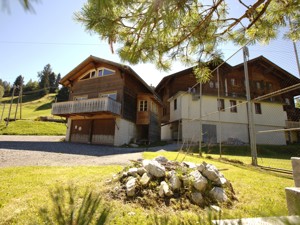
column 104, row 92
column 264, row 77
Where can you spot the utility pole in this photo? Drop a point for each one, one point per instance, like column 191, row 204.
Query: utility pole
column 252, row 134
column 11, row 101
column 219, row 114
column 200, row 119
column 295, row 50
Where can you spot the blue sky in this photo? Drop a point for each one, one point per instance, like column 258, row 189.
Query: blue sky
column 29, row 41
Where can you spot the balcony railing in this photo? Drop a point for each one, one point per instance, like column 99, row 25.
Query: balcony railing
column 103, row 104
column 292, row 124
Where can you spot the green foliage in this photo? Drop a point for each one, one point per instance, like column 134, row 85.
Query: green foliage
column 29, row 127
column 30, row 86
column 47, row 80
column 146, row 31
column 63, row 94
column 65, row 209
column 1, row 91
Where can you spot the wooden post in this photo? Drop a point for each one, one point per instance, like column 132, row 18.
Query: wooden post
column 11, row 101
column 15, row 118
column 2, row 112
column 21, row 97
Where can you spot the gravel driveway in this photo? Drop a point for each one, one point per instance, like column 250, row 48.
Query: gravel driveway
column 51, row 151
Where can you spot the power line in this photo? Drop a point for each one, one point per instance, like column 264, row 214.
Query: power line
column 48, row 43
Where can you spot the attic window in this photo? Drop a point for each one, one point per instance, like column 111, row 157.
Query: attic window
column 105, row 72
column 89, row 75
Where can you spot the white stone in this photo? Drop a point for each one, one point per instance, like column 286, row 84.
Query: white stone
column 161, row 159
column 141, row 171
column 154, row 168
column 145, row 179
column 190, row 165
column 296, row 170
column 175, row 182
column 218, row 194
column 132, row 171
column 293, row 200
column 199, row 181
column 130, row 186
column 164, row 190
column 197, row 198
column 201, row 167
column 211, row 173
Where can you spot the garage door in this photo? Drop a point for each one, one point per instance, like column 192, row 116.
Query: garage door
column 80, row 131
column 103, row 131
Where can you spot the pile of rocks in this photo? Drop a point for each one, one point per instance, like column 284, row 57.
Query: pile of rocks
column 202, row 184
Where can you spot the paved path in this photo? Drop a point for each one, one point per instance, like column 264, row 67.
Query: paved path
column 51, row 151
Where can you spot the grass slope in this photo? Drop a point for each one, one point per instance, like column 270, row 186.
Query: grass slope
column 24, row 190
column 33, row 107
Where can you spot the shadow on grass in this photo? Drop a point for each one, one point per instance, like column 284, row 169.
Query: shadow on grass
column 264, row 151
column 44, row 106
column 25, row 98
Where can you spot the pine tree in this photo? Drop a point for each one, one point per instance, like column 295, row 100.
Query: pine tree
column 161, row 31
column 44, row 83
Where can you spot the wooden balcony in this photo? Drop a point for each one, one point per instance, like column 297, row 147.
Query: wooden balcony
column 90, row 106
column 292, row 124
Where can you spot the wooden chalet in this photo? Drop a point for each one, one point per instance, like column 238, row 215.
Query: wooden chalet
column 108, row 104
column 265, row 77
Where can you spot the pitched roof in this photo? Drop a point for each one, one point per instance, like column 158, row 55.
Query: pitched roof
column 69, row 77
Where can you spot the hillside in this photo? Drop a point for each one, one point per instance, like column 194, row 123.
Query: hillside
column 33, row 107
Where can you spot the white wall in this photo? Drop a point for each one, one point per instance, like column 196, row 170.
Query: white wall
column 125, row 131
column 166, row 132
column 234, row 125
column 224, row 131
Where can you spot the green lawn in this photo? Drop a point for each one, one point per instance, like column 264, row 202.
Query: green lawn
column 24, row 190
column 31, row 127
column 267, row 155
column 33, row 107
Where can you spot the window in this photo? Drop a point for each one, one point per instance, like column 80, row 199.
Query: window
column 269, row 86
column 154, row 107
column 105, row 72
column 88, row 75
column 100, row 71
column 258, row 86
column 111, row 95
column 216, row 84
column 143, row 106
column 175, row 104
column 233, row 107
column 257, row 108
column 232, row 82
column 211, row 84
column 221, row 105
